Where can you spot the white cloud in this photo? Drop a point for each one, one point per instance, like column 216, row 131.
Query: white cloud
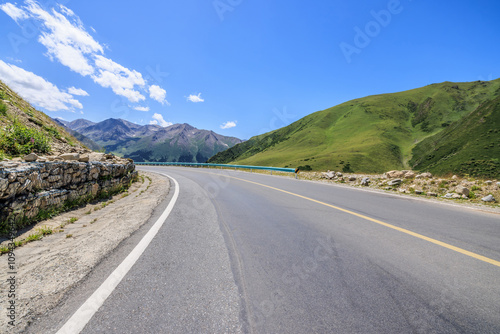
column 67, row 41
column 14, row 12
column 67, row 11
column 228, row 124
column 195, row 98
column 142, row 108
column 120, row 79
column 158, row 119
column 36, row 89
column 158, row 94
column 77, row 91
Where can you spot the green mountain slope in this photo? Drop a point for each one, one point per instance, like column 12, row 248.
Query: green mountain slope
column 23, row 129
column 372, row 134
column 470, row 146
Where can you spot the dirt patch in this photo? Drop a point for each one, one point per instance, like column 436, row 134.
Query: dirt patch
column 47, row 268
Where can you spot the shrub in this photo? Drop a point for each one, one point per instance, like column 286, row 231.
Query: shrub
column 52, row 131
column 347, row 168
column 305, row 168
column 18, row 139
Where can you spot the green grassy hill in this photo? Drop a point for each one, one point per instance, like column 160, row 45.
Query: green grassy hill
column 372, row 134
column 23, row 129
column 470, row 146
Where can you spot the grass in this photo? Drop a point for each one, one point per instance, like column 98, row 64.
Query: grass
column 468, row 147
column 38, row 235
column 3, row 109
column 18, row 139
column 72, row 220
column 33, row 237
column 69, row 236
column 372, row 134
column 44, row 230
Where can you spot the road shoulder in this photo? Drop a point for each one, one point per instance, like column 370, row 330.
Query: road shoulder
column 50, row 267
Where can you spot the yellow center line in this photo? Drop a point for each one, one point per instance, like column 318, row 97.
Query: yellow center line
column 417, row 235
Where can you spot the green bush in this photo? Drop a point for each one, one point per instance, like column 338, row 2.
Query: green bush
column 305, row 168
column 53, row 131
column 347, row 168
column 18, row 139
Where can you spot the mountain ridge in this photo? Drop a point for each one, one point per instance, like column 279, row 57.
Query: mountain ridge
column 177, row 142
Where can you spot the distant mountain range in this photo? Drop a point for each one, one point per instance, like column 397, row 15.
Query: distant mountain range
column 175, row 143
column 81, row 138
column 442, row 128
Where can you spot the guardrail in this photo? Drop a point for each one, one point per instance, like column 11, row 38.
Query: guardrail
column 195, row 164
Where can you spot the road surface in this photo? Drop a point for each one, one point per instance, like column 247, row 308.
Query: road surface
column 252, row 253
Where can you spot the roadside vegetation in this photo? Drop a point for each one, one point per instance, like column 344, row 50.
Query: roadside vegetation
column 24, row 130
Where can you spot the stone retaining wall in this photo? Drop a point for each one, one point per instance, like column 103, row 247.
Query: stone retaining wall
column 27, row 189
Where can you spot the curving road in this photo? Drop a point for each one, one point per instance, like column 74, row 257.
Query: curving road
column 253, row 253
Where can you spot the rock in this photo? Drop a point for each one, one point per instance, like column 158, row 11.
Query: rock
column 419, row 192
column 410, row 175
column 352, row 178
column 488, row 198
column 498, row 184
column 4, row 183
column 84, row 158
column 394, row 174
column 70, row 156
column 456, row 196
column 489, row 182
column 427, row 175
column 448, row 195
column 339, row 174
column 419, row 176
column 328, row 175
column 462, row 191
column 30, row 157
column 432, row 194
column 454, row 177
column 394, row 182
column 365, row 182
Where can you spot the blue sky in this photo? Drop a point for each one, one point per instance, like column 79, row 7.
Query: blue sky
column 237, row 67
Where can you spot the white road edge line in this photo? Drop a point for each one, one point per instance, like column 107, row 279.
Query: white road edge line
column 82, row 316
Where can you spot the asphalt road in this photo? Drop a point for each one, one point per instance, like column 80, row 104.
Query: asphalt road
column 304, row 257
